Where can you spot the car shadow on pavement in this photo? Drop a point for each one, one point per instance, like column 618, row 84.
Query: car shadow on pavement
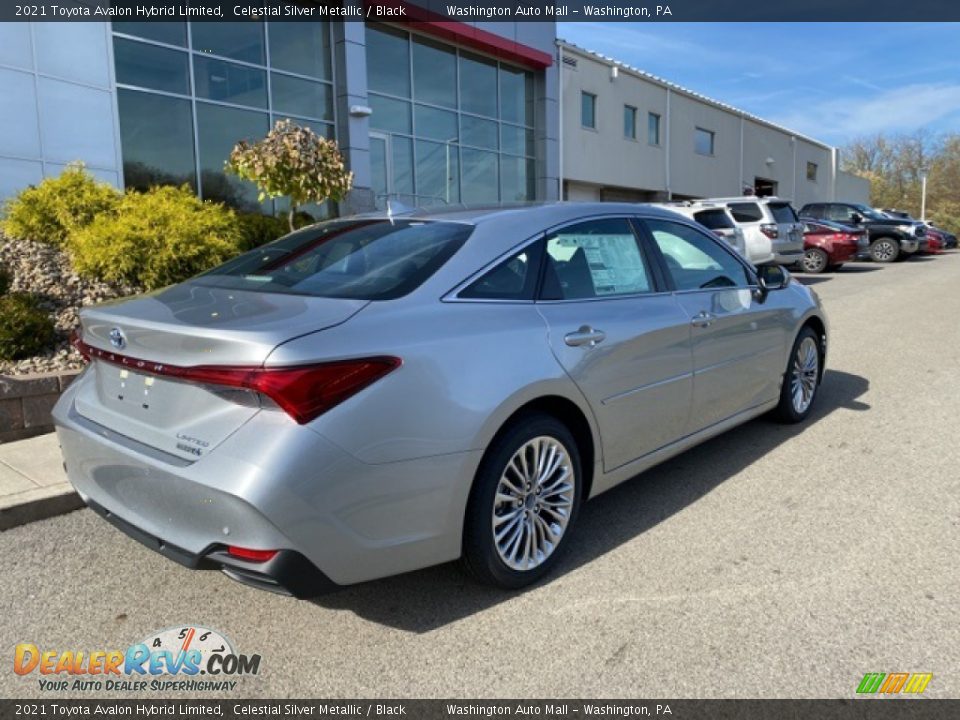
column 850, row 269
column 426, row 600
column 812, row 279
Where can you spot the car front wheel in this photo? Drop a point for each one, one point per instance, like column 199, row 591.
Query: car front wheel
column 884, row 250
column 801, row 381
column 524, row 502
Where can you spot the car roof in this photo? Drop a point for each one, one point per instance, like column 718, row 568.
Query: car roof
column 744, row 198
column 546, row 212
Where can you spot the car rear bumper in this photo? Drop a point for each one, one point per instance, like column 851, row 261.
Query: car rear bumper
column 787, row 253
column 272, row 485
column 288, row 572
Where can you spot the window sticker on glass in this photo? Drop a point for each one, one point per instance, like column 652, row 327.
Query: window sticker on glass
column 614, row 261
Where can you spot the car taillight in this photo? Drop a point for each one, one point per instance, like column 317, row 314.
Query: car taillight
column 770, row 230
column 75, row 340
column 303, row 392
column 257, row 556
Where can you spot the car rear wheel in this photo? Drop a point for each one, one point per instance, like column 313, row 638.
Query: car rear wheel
column 801, row 379
column 884, row 250
column 524, row 503
column 814, row 261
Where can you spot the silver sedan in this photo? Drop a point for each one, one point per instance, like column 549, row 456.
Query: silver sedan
column 377, row 394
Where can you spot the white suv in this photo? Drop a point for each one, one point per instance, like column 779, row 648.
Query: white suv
column 717, row 219
column 772, row 231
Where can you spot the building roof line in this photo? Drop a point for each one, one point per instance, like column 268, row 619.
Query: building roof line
column 643, row 74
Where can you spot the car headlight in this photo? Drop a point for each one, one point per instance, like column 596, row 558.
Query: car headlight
column 908, row 229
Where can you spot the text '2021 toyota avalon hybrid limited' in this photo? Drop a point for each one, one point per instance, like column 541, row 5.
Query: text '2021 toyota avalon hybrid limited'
column 373, row 395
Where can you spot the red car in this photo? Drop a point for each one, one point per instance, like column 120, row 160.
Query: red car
column 936, row 241
column 828, row 245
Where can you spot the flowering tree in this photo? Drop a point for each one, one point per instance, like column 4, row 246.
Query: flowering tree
column 292, row 161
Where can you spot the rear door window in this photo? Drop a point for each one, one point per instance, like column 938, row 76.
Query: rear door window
column 358, row 259
column 746, row 212
column 782, row 212
column 715, row 219
column 594, row 259
column 841, row 213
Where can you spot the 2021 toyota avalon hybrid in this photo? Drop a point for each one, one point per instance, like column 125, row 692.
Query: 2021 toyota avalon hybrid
column 372, row 395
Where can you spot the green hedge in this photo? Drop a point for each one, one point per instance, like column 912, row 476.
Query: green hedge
column 156, row 238
column 25, row 329
column 51, row 211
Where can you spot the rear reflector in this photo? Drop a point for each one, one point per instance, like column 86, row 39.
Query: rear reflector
column 304, row 392
column 251, row 555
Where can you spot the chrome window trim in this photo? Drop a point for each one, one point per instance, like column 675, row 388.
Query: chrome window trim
column 451, row 296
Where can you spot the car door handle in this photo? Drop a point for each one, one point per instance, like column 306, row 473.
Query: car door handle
column 703, row 319
column 586, row 335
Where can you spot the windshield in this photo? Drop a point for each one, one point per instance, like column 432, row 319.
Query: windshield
column 869, row 212
column 357, row 259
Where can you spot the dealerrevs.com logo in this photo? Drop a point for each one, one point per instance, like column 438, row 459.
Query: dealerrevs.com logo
column 189, row 658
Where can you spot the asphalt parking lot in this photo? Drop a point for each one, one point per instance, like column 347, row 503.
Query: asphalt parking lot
column 770, row 562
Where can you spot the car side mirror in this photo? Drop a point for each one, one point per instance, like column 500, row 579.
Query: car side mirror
column 769, row 278
column 856, row 218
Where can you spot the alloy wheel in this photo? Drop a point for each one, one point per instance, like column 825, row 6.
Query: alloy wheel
column 803, row 374
column 883, row 251
column 814, row 261
column 533, row 502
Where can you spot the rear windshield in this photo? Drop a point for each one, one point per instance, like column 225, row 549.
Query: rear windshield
column 782, row 212
column 357, row 259
column 746, row 212
column 714, row 219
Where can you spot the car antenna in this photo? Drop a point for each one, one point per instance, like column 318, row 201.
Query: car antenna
column 395, row 207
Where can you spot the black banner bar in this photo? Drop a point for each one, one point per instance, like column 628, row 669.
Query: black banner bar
column 859, row 708
column 485, row 10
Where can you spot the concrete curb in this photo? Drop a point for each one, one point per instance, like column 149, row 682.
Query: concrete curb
column 38, row 504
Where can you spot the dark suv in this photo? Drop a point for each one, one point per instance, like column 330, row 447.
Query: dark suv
column 890, row 238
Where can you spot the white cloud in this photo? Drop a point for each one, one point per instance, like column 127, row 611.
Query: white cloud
column 898, row 109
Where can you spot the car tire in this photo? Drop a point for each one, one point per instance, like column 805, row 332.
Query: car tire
column 801, row 380
column 884, row 250
column 504, row 539
column 814, row 261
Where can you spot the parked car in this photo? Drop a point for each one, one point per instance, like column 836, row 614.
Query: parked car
column 373, row 395
column 949, row 238
column 829, row 245
column 889, row 238
column 936, row 241
column 717, row 219
column 772, row 231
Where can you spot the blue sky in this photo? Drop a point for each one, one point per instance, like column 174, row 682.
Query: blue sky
column 833, row 82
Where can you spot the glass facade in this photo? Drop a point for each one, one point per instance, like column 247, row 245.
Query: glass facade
column 448, row 126
column 188, row 92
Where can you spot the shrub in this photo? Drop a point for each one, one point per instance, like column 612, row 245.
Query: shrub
column 6, row 280
column 257, row 229
column 293, row 161
column 25, row 329
column 156, row 238
column 50, row 211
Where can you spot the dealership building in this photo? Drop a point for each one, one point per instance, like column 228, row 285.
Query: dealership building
column 432, row 112
column 631, row 136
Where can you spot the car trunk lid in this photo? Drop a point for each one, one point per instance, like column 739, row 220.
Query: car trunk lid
column 135, row 343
